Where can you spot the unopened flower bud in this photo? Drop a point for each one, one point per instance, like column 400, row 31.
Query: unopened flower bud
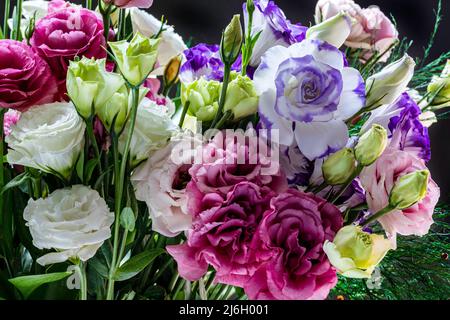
column 242, row 98
column 334, row 30
column 355, row 253
column 371, row 145
column 231, row 44
column 439, row 89
column 339, row 167
column 172, row 71
column 387, row 85
column 409, row 189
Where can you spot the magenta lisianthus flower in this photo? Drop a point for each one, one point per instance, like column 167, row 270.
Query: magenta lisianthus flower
column 22, row 77
column 230, row 158
column 378, row 181
column 294, row 230
column 221, row 236
column 66, row 33
column 130, row 3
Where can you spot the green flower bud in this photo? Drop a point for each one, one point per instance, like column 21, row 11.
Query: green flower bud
column 89, row 85
column 409, row 189
column 355, row 253
column 230, row 46
column 339, row 167
column 439, row 89
column 334, row 30
column 172, row 71
column 250, row 7
column 371, row 145
column 387, row 85
column 242, row 98
column 136, row 59
column 117, row 107
column 203, row 97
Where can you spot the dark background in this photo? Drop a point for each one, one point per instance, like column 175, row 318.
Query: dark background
column 203, row 21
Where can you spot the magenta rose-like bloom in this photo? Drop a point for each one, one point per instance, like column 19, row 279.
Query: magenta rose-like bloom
column 64, row 34
column 230, row 158
column 378, row 181
column 222, row 234
column 294, row 230
column 130, row 3
column 25, row 78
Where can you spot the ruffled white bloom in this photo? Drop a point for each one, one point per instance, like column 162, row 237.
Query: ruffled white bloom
column 73, row 221
column 161, row 183
column 152, row 130
column 48, row 137
column 334, row 30
column 171, row 44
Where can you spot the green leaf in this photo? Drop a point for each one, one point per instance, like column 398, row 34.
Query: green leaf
column 80, row 166
column 136, row 264
column 16, row 182
column 127, row 219
column 27, row 284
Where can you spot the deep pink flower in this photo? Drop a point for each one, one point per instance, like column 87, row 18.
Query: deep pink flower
column 294, row 230
column 131, row 3
column 378, row 181
column 230, row 158
column 56, row 5
column 25, row 78
column 221, row 236
column 66, row 33
column 11, row 117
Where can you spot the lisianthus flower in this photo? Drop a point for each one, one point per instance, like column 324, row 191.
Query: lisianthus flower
column 203, row 60
column 230, row 158
column 372, row 31
column 378, row 181
column 64, row 34
column 274, row 28
column 221, row 236
column 307, row 93
column 296, row 166
column 406, row 130
column 22, row 75
column 74, row 221
column 293, row 231
column 171, row 44
column 161, row 182
column 11, row 117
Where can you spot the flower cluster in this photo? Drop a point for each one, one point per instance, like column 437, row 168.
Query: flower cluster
column 262, row 162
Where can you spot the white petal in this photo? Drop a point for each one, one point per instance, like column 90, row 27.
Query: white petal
column 265, row 74
column 353, row 94
column 316, row 139
column 321, row 51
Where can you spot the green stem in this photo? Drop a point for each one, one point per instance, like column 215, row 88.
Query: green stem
column 121, row 26
column 2, row 167
column 106, row 15
column 93, row 140
column 247, row 49
column 347, row 184
column 81, row 270
column 226, row 80
column 89, row 4
column 227, row 116
column 119, row 185
column 5, row 18
column 17, row 32
column 378, row 215
column 183, row 114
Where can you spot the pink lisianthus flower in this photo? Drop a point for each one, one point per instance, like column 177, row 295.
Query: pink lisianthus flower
column 221, row 236
column 56, row 5
column 11, row 117
column 293, row 231
column 65, row 34
column 25, row 78
column 130, row 3
column 230, row 158
column 378, row 181
column 372, row 31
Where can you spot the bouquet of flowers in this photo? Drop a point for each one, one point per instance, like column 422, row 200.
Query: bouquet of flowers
column 269, row 166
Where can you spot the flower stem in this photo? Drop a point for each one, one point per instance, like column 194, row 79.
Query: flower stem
column 119, row 184
column 346, row 185
column 91, row 135
column 81, row 270
column 183, row 114
column 226, row 80
column 2, row 143
column 16, row 32
column 378, row 215
column 106, row 14
column 5, row 18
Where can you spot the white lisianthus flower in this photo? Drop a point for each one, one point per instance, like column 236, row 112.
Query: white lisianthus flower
column 73, row 221
column 171, row 44
column 161, row 183
column 48, row 137
column 152, row 130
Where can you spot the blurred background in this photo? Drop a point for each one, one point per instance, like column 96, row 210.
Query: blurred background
column 203, row 21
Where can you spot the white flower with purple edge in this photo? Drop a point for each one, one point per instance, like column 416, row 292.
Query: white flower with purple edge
column 307, row 93
column 274, row 28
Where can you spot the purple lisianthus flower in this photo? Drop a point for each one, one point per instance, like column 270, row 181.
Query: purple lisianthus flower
column 203, row 60
column 274, row 28
column 406, row 131
column 307, row 93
